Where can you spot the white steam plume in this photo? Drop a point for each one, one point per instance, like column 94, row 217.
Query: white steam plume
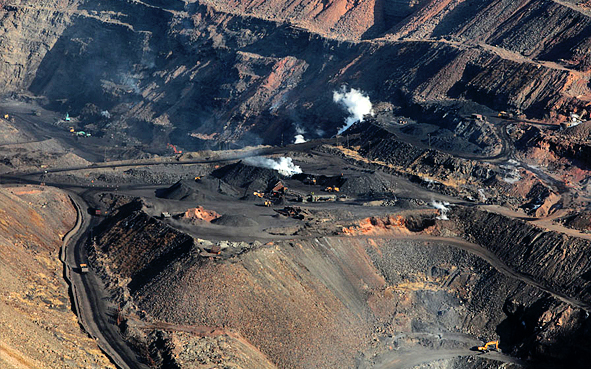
column 299, row 139
column 357, row 105
column 443, row 209
column 284, row 166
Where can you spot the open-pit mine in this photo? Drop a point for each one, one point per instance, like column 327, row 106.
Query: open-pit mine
column 295, row 184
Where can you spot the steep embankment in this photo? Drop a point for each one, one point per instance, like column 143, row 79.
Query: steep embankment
column 533, row 251
column 202, row 73
column 329, row 301
column 38, row 328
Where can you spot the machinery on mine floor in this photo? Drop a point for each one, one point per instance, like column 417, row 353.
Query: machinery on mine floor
column 176, row 151
column 332, row 189
column 492, row 345
column 84, row 268
column 268, row 203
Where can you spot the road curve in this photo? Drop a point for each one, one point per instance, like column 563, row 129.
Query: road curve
column 89, row 298
column 496, row 263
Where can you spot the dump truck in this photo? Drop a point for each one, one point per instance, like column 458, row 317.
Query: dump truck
column 98, row 212
column 83, row 268
column 332, row 189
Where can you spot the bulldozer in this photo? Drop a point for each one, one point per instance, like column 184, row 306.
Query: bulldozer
column 492, row 345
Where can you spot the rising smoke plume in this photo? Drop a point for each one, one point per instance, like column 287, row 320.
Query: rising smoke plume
column 443, row 209
column 357, row 104
column 299, row 139
column 284, row 166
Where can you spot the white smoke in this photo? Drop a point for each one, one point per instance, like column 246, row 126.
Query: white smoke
column 299, row 139
column 284, row 166
column 357, row 104
column 443, row 209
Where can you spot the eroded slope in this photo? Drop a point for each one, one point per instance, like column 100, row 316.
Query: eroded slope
column 38, row 328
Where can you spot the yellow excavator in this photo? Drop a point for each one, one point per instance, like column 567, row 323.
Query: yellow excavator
column 492, row 345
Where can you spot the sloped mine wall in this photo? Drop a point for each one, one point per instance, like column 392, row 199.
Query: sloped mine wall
column 202, row 76
column 556, row 260
column 334, row 301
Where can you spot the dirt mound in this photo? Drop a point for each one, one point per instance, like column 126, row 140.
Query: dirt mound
column 199, row 214
column 247, row 176
column 196, row 190
column 233, row 220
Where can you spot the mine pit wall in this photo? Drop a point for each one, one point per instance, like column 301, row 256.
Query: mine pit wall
column 248, row 71
column 549, row 328
column 324, row 302
column 559, row 262
column 139, row 246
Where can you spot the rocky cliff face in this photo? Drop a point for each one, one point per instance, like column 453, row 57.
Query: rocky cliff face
column 199, row 73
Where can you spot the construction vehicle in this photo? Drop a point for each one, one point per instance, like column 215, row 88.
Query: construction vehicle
column 197, row 179
column 67, row 117
column 83, row 268
column 6, row 116
column 98, row 212
column 504, row 114
column 268, row 203
column 332, row 189
column 176, row 151
column 72, row 130
column 258, row 194
column 492, row 345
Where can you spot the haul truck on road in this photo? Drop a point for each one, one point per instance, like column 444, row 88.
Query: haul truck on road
column 83, row 268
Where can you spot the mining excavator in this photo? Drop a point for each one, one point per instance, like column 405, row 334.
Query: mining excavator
column 176, row 151
column 492, row 345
